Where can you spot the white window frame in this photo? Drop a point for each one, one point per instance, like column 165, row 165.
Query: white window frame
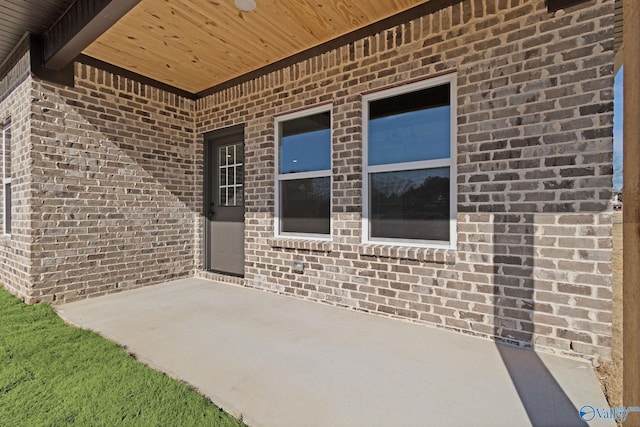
column 424, row 164
column 302, row 175
column 6, row 182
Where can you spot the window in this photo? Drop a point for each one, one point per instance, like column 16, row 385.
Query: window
column 303, row 178
column 409, row 164
column 6, row 177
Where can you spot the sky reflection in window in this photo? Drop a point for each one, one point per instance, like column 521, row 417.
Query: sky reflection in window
column 410, row 136
column 305, row 144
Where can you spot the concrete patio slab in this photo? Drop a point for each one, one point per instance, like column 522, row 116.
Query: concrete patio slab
column 279, row 361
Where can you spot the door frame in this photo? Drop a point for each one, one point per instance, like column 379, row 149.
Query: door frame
column 209, row 169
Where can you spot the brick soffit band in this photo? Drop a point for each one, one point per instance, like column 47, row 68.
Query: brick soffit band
column 122, row 72
column 66, row 76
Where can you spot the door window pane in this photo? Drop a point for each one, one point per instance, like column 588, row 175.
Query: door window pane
column 305, row 205
column 411, row 204
column 239, row 159
column 223, row 177
column 231, row 175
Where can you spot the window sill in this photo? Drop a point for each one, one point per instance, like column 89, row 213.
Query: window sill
column 302, row 244
column 433, row 255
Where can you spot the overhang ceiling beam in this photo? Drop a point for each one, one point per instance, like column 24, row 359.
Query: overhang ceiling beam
column 81, row 25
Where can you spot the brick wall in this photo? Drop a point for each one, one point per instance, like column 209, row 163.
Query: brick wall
column 15, row 90
column 113, row 170
column 533, row 261
column 107, row 178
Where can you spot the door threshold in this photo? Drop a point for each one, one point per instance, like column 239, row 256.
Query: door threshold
column 225, row 273
column 221, row 277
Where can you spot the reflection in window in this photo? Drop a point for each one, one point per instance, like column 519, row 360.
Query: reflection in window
column 305, row 144
column 306, row 205
column 410, row 127
column 303, row 205
column 410, row 204
column 409, row 161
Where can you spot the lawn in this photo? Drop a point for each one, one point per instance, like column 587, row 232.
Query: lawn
column 52, row 374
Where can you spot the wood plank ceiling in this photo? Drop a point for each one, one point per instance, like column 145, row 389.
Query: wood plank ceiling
column 196, row 44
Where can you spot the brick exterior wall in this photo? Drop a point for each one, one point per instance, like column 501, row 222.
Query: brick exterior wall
column 15, row 264
column 113, row 170
column 108, row 178
column 533, row 262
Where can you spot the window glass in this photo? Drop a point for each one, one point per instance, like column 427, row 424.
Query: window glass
column 7, row 153
column 303, row 177
column 410, row 204
column 7, row 208
column 305, row 144
column 409, row 172
column 306, row 205
column 6, row 177
column 410, row 127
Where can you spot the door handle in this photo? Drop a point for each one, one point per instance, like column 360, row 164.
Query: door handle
column 211, row 210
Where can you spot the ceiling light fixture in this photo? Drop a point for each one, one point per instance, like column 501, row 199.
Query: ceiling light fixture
column 245, row 5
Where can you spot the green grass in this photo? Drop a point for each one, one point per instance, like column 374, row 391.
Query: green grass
column 52, row 374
